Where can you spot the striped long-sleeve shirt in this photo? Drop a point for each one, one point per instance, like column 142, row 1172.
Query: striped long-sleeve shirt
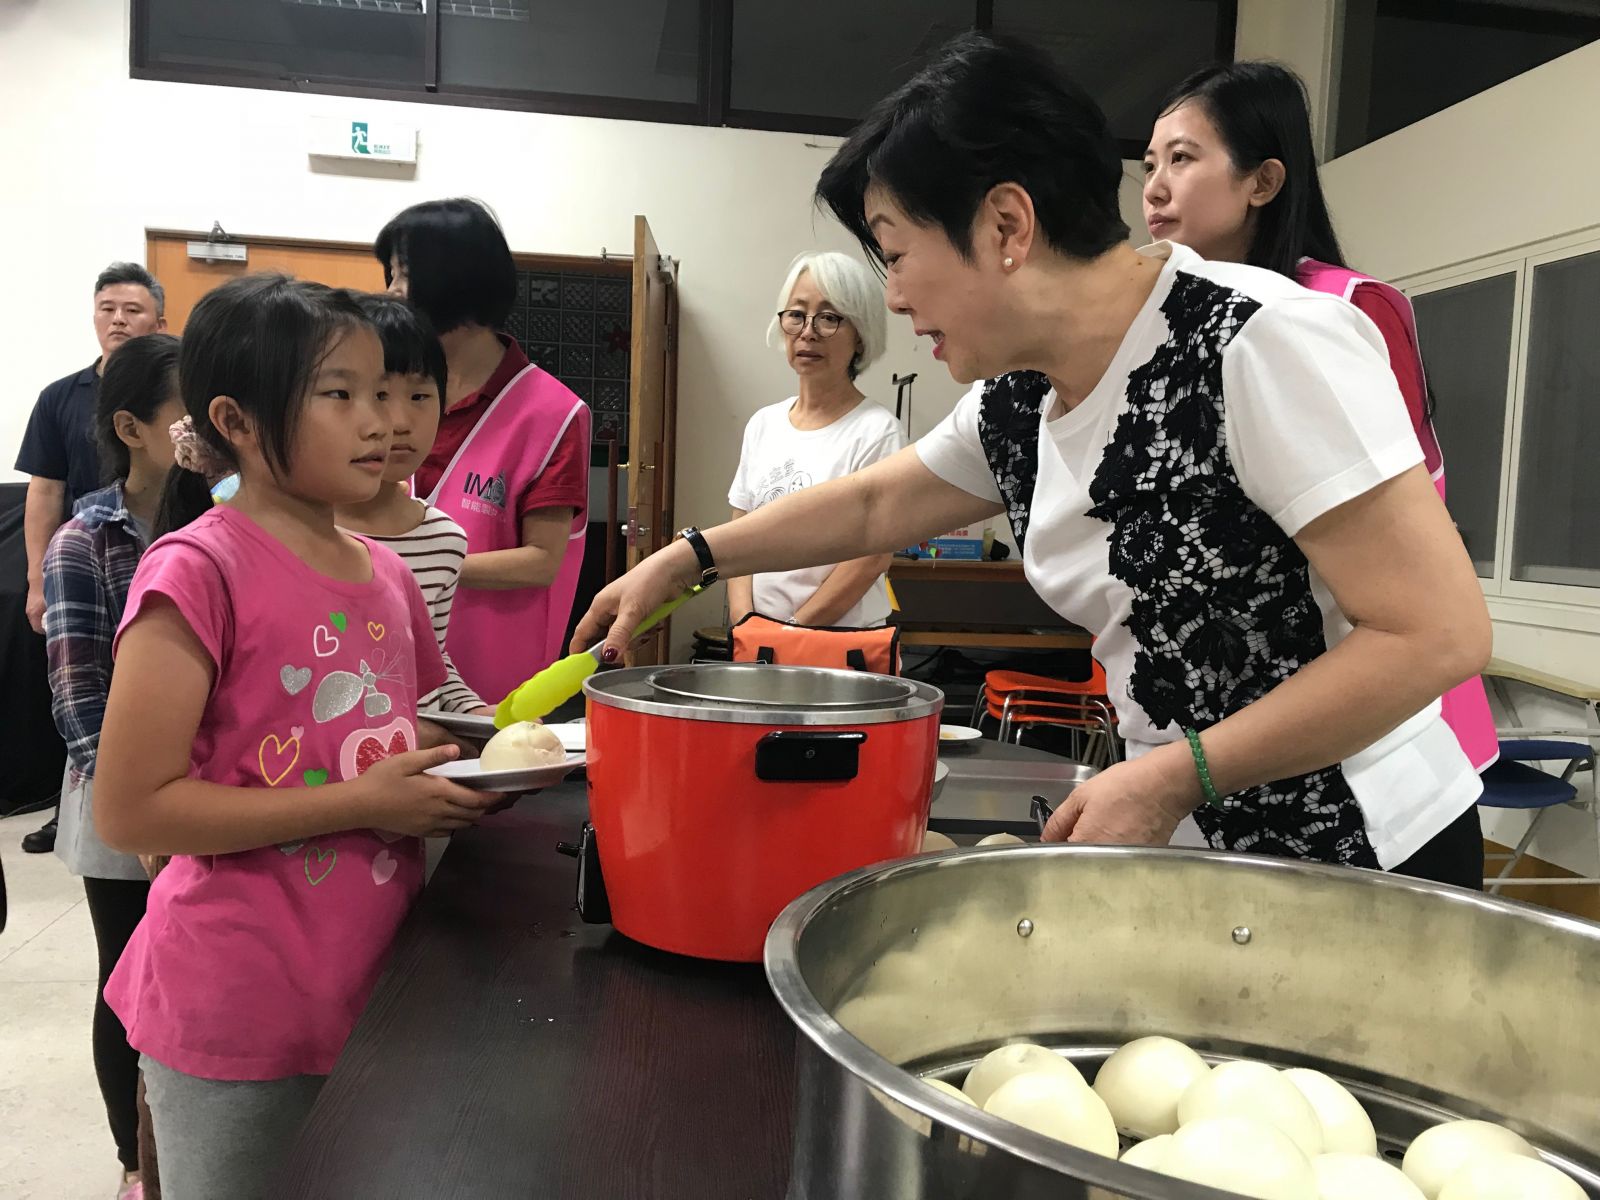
column 434, row 551
column 87, row 571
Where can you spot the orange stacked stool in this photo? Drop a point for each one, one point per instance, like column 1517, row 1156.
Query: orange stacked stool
column 1019, row 701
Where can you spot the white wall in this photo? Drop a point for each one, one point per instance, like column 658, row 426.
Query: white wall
column 1504, row 169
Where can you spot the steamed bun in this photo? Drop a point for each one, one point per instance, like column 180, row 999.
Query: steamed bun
column 521, row 746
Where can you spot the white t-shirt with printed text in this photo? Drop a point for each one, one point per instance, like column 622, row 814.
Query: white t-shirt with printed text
column 778, row 460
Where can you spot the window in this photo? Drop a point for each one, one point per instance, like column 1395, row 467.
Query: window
column 1465, row 332
column 1128, row 55
column 356, row 41
column 1513, row 362
column 1557, row 537
column 1403, row 60
column 628, row 49
column 835, row 61
column 743, row 63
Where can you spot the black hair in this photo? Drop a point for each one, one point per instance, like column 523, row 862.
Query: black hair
column 137, row 379
column 127, row 272
column 258, row 339
column 985, row 111
column 1260, row 111
column 410, row 346
column 458, row 267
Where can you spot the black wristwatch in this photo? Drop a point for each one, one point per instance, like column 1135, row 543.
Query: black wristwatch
column 697, row 542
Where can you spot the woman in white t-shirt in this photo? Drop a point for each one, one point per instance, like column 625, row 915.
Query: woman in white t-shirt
column 1204, row 464
column 831, row 326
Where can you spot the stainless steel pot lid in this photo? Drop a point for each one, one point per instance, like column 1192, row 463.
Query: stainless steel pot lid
column 763, row 694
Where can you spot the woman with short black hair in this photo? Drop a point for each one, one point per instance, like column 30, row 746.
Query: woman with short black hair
column 510, row 463
column 1276, row 592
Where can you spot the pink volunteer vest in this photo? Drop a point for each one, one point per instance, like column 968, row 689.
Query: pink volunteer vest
column 498, row 639
column 1466, row 707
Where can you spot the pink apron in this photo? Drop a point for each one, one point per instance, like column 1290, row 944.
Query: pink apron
column 1466, row 707
column 500, row 638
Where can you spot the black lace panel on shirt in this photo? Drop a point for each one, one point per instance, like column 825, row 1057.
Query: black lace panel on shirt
column 1008, row 430
column 1222, row 604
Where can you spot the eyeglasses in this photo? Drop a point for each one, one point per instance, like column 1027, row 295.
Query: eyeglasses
column 793, row 321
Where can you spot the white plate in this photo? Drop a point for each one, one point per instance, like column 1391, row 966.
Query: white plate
column 941, row 772
column 958, row 733
column 477, row 726
column 468, row 773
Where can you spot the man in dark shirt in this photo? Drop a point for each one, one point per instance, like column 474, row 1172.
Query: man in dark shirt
column 58, row 449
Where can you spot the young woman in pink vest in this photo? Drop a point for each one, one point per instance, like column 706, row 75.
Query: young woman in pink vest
column 1231, row 173
column 511, row 461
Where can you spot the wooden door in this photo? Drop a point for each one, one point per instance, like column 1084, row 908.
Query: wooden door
column 650, row 418
column 187, row 279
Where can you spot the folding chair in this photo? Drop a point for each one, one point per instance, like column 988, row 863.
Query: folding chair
column 1510, row 783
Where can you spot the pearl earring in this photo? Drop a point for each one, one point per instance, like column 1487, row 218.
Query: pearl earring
column 1008, row 263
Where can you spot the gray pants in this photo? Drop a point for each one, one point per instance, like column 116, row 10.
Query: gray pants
column 220, row 1138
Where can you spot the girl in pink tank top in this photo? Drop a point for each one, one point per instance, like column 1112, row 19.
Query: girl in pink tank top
column 262, row 730
column 1231, row 173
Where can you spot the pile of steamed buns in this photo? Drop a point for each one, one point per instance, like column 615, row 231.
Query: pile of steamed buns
column 1249, row 1128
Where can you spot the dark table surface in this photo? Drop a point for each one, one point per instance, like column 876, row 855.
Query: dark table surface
column 511, row 1050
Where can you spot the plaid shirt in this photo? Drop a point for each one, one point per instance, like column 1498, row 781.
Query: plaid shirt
column 87, row 572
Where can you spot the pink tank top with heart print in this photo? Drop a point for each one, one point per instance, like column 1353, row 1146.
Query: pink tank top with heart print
column 256, row 965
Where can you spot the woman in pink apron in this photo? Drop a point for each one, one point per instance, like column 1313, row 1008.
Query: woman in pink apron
column 1231, row 173
column 511, row 460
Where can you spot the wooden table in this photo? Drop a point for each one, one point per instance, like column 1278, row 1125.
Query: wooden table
column 512, row 1051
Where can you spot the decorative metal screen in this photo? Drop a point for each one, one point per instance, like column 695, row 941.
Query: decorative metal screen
column 577, row 326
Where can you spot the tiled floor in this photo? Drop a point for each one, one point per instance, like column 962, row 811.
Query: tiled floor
column 54, row 1144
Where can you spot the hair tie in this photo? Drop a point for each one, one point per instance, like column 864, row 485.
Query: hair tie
column 194, row 454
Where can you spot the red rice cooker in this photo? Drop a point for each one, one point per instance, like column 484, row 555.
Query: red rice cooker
column 719, row 792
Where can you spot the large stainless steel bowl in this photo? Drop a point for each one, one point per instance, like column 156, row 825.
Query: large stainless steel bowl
column 1429, row 1001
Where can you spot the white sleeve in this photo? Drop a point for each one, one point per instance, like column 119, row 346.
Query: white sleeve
column 878, row 449
column 739, row 494
column 1314, row 415
column 952, row 451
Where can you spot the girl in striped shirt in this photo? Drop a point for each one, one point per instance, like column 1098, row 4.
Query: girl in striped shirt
column 428, row 541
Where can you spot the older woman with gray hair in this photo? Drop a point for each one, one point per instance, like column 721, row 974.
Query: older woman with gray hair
column 831, row 325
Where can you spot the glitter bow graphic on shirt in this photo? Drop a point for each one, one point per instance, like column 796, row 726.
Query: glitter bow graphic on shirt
column 340, row 691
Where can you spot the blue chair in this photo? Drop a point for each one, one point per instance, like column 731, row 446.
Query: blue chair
column 1511, row 783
